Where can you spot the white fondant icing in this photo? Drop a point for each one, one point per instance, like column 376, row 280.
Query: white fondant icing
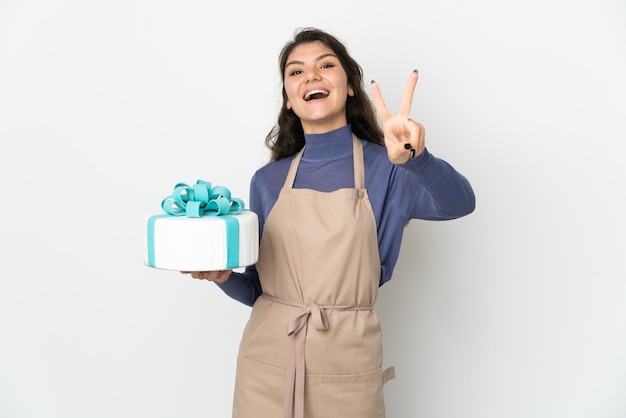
column 199, row 244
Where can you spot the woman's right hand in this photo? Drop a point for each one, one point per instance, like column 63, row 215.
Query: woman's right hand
column 218, row 276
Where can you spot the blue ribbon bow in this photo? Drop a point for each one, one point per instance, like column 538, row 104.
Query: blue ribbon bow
column 201, row 200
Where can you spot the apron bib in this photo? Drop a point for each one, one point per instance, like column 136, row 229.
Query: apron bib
column 312, row 347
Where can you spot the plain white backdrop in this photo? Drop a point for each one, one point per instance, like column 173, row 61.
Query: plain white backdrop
column 516, row 311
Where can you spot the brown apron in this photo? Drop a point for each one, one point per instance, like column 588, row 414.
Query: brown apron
column 312, row 347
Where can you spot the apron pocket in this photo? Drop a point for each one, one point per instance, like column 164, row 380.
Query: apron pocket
column 341, row 396
column 259, row 390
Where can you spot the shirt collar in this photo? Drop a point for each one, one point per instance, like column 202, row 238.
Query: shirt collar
column 328, row 146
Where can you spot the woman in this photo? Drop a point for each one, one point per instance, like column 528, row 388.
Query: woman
column 332, row 206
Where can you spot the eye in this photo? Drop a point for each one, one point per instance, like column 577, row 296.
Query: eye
column 329, row 65
column 295, row 72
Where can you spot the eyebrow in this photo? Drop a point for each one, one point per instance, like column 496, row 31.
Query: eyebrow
column 321, row 57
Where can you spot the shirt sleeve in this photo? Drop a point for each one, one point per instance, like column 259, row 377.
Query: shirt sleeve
column 444, row 194
column 244, row 287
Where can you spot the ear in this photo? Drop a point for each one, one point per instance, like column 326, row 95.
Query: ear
column 288, row 104
column 350, row 91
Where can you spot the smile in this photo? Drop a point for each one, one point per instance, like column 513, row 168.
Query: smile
column 316, row 94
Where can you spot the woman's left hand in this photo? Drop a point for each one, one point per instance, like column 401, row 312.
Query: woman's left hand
column 404, row 138
column 218, row 276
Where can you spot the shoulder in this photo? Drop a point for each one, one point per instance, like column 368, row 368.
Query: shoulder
column 273, row 172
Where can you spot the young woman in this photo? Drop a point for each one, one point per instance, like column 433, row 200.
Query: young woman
column 332, row 205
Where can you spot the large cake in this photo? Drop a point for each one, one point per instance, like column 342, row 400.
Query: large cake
column 202, row 229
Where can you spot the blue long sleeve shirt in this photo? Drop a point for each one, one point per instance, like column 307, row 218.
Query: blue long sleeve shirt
column 425, row 188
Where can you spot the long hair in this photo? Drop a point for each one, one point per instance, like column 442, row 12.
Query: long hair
column 287, row 136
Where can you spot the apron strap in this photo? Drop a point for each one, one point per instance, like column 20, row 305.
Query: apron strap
column 359, row 165
column 293, row 168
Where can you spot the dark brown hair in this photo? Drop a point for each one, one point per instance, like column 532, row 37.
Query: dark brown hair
column 287, row 136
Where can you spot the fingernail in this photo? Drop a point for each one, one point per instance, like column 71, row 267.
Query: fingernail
column 407, row 146
column 415, row 71
column 373, row 81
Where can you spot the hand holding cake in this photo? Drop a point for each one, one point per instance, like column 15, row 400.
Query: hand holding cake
column 219, row 276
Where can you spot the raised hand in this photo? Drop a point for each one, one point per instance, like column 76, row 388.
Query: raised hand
column 404, row 138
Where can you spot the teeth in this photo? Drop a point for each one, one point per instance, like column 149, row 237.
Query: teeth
column 312, row 92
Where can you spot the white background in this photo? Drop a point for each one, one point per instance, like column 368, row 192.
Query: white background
column 515, row 311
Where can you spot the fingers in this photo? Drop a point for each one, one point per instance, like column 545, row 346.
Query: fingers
column 405, row 141
column 405, row 104
column 407, row 96
column 379, row 104
column 418, row 140
column 219, row 276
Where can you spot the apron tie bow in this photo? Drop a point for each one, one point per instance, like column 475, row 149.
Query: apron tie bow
column 314, row 311
column 296, row 329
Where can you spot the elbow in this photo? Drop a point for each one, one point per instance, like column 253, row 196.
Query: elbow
column 465, row 205
column 470, row 203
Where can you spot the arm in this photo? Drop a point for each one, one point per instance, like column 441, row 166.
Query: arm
column 244, row 287
column 446, row 194
column 442, row 192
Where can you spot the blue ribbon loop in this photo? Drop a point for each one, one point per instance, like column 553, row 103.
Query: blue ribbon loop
column 201, row 200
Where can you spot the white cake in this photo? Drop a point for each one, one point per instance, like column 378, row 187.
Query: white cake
column 202, row 229
column 202, row 244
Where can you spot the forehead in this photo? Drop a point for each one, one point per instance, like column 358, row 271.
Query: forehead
column 309, row 51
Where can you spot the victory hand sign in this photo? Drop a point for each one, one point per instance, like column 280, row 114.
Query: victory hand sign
column 404, row 138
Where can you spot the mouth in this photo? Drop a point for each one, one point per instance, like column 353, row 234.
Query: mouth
column 316, row 94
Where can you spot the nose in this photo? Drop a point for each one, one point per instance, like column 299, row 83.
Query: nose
column 312, row 75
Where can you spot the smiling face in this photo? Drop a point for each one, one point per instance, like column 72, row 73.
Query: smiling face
column 316, row 87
